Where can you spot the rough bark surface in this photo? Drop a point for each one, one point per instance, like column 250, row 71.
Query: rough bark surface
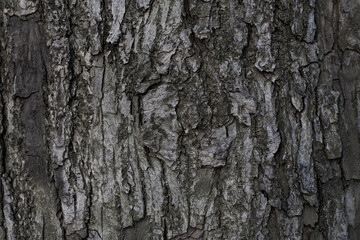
column 180, row 119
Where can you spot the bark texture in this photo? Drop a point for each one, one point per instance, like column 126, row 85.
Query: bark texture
column 180, row 119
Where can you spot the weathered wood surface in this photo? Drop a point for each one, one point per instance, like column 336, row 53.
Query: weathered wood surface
column 169, row 119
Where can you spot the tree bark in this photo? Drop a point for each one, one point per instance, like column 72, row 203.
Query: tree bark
column 169, row 119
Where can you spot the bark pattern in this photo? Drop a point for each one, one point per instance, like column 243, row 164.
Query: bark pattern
column 169, row 119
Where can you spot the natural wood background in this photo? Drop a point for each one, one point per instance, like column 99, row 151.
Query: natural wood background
column 180, row 119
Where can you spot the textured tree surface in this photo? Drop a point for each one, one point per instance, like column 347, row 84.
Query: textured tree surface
column 180, row 119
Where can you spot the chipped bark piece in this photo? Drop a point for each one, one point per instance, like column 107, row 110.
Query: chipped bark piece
column 214, row 149
column 242, row 106
column 160, row 125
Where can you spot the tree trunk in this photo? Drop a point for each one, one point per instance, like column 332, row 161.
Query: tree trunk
column 180, row 119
